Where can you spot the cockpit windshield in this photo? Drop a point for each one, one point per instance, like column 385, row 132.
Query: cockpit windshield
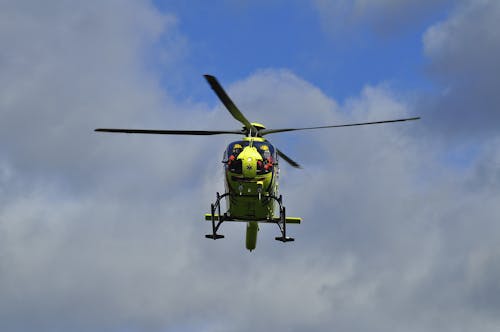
column 265, row 149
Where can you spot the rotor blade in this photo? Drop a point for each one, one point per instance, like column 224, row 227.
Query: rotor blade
column 168, row 132
column 224, row 98
column 288, row 159
column 272, row 131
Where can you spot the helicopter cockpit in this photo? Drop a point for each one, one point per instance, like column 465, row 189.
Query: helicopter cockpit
column 266, row 151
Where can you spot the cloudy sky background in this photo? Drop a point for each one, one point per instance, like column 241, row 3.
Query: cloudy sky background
column 104, row 232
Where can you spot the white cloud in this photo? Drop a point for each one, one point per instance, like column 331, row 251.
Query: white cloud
column 467, row 38
column 387, row 17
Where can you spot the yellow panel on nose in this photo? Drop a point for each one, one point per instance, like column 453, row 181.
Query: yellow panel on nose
column 249, row 157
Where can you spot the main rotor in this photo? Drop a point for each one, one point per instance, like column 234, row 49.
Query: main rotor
column 250, row 129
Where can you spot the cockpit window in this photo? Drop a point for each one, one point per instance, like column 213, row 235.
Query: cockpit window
column 233, row 150
column 267, row 153
column 265, row 149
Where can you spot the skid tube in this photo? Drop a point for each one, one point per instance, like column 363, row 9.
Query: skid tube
column 281, row 222
column 220, row 218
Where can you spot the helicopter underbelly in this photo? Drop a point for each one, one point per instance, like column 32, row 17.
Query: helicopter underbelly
column 245, row 202
column 250, row 207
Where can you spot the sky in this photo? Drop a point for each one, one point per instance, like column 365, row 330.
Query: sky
column 105, row 232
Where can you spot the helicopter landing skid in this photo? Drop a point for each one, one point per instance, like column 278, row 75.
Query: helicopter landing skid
column 214, row 236
column 282, row 222
column 220, row 218
column 284, row 239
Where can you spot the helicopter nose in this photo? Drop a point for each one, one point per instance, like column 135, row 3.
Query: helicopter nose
column 249, row 167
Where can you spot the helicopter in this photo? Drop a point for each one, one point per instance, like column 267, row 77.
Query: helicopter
column 251, row 169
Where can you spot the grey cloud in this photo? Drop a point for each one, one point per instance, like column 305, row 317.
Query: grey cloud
column 72, row 253
column 463, row 53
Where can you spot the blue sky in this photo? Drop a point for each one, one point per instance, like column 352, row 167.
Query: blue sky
column 105, row 232
column 234, row 39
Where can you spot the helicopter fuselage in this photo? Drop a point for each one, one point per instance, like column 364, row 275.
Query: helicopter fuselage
column 251, row 173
